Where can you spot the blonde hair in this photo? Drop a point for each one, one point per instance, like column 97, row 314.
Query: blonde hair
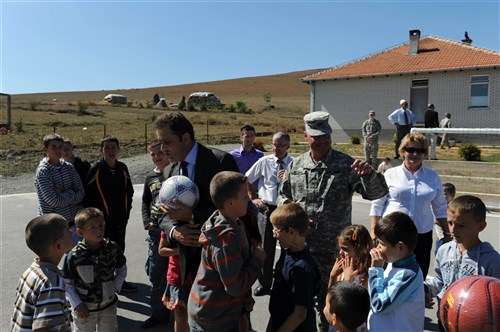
column 291, row 215
column 415, row 137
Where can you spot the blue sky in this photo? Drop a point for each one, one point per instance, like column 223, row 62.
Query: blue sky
column 51, row 46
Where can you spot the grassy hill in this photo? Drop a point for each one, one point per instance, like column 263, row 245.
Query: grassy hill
column 287, row 91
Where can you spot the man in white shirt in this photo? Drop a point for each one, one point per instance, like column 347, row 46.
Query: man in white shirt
column 268, row 172
column 403, row 118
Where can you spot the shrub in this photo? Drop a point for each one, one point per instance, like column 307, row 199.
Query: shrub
column 470, row 152
column 241, row 106
column 82, row 107
column 19, row 124
column 34, row 105
column 231, row 108
column 355, row 139
column 191, row 107
column 182, row 104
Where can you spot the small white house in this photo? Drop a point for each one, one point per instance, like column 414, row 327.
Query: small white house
column 458, row 78
column 115, row 99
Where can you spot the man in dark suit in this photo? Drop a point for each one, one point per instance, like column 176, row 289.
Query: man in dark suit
column 186, row 155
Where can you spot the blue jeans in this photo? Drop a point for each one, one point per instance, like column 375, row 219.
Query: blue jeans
column 156, row 268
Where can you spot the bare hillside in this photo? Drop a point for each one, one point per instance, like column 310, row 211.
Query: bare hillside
column 286, row 90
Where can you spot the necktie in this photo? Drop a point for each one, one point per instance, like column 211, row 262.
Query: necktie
column 184, row 168
column 281, row 164
column 406, row 118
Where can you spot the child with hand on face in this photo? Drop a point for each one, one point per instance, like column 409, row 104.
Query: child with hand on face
column 354, row 260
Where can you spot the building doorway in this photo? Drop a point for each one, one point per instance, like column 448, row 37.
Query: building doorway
column 419, row 97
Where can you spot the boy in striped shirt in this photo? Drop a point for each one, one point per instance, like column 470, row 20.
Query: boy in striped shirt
column 40, row 293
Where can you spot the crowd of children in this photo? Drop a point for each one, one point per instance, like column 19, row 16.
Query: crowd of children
column 374, row 285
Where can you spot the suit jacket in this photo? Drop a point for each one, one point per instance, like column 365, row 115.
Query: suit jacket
column 209, row 161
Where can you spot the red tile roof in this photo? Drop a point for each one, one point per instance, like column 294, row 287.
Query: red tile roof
column 435, row 54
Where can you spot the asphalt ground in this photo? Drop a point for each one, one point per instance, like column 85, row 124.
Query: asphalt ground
column 133, row 308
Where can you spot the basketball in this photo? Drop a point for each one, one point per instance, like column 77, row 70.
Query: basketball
column 179, row 188
column 471, row 304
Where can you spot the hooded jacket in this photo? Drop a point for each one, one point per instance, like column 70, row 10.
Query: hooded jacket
column 225, row 276
column 451, row 265
column 59, row 189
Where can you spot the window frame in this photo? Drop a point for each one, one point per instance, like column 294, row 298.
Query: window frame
column 485, row 81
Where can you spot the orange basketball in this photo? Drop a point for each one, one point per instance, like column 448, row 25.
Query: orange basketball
column 471, row 304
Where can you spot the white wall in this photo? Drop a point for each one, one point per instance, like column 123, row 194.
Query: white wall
column 348, row 101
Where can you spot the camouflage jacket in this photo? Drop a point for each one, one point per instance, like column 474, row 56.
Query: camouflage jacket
column 325, row 191
column 371, row 128
column 93, row 273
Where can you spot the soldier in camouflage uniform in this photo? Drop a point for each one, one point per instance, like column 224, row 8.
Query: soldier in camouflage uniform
column 94, row 271
column 323, row 181
column 371, row 128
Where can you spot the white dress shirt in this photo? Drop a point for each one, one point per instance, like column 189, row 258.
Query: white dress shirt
column 265, row 170
column 419, row 195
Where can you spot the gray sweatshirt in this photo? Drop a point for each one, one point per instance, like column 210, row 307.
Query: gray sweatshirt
column 451, row 265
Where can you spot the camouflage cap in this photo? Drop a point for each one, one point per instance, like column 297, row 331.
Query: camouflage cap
column 317, row 123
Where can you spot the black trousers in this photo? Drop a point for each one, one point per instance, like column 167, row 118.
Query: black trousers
column 269, row 246
column 401, row 132
column 423, row 252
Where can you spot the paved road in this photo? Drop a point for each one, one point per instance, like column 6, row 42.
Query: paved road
column 15, row 257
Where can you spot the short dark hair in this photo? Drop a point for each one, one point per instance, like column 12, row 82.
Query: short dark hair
column 449, row 188
column 110, row 138
column 291, row 215
column 226, row 185
column 51, row 137
column 153, row 144
column 84, row 215
column 247, row 127
column 469, row 204
column 177, row 122
column 350, row 302
column 397, row 227
column 42, row 231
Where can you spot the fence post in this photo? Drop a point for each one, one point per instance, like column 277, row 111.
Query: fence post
column 207, row 131
column 104, row 134
column 146, row 136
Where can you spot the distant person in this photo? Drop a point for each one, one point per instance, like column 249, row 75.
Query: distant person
column 432, row 121
column 58, row 186
column 371, row 129
column 156, row 265
column 109, row 188
column 403, row 118
column 228, row 268
column 94, row 271
column 82, row 166
column 267, row 173
column 417, row 191
column 396, row 294
column 449, row 194
column 246, row 155
column 466, row 255
column 323, row 180
column 347, row 306
column 41, row 288
column 296, row 278
column 445, row 123
column 384, row 165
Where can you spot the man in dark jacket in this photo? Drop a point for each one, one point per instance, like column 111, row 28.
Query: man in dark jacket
column 431, row 121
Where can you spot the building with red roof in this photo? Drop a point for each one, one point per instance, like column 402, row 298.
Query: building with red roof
column 457, row 77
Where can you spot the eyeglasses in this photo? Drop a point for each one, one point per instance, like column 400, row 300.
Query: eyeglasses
column 280, row 145
column 414, row 150
column 276, row 231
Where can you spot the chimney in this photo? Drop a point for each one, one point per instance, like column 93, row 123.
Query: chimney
column 414, row 41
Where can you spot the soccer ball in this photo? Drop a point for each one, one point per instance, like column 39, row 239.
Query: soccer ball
column 181, row 188
column 471, row 304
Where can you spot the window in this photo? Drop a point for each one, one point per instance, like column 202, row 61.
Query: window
column 479, row 91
